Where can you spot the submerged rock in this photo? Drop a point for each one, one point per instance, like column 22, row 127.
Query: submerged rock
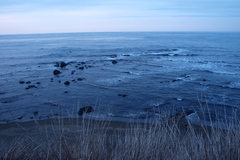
column 31, row 86
column 122, row 95
column 178, row 79
column 80, row 79
column 56, row 72
column 19, row 118
column 87, row 109
column 21, row 82
column 35, row 113
column 113, row 56
column 114, row 62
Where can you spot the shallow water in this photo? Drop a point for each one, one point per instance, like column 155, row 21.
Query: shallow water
column 154, row 73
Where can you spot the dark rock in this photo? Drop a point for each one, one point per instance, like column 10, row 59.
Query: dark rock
column 73, row 72
column 182, row 114
column 65, row 91
column 19, row 117
column 122, row 95
column 38, row 82
column 114, row 62
column 35, row 113
column 67, row 83
column 178, row 79
column 7, row 101
column 80, row 79
column 59, row 81
column 86, row 109
column 61, row 64
column 31, row 86
column 126, row 55
column 28, row 82
column 21, row 82
column 81, row 68
column 73, row 80
column 188, row 112
column 56, row 72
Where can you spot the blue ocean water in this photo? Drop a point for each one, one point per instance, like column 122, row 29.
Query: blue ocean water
column 122, row 75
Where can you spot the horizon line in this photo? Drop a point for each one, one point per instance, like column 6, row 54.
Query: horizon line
column 114, row 32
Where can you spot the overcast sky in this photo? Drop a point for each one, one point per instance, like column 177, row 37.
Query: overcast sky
column 56, row 16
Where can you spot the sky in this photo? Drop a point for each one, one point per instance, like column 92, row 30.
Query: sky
column 63, row 16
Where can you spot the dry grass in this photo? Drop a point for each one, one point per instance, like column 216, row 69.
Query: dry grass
column 89, row 139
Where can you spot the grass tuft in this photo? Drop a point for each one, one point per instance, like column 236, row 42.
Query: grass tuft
column 80, row 139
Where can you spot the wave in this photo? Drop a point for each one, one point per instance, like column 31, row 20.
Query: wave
column 232, row 85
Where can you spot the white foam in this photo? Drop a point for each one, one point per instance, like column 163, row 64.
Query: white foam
column 234, row 85
column 113, row 81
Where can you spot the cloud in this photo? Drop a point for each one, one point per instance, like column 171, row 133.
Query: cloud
column 203, row 8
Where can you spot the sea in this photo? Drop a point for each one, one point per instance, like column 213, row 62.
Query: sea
column 121, row 75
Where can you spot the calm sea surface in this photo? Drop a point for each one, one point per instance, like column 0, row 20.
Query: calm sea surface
column 122, row 75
